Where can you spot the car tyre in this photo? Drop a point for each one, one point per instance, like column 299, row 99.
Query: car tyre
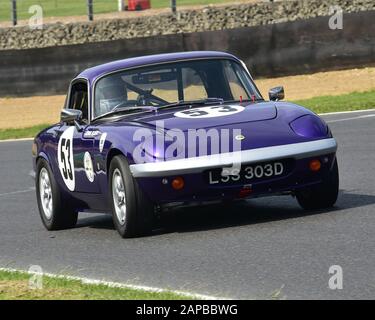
column 55, row 215
column 323, row 195
column 132, row 211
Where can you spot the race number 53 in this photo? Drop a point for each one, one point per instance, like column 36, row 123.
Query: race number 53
column 209, row 112
column 65, row 158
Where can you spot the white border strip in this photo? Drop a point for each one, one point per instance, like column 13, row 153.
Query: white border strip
column 120, row 285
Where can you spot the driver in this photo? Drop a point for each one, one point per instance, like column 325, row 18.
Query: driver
column 110, row 94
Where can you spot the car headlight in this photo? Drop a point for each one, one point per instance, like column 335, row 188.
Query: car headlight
column 310, row 126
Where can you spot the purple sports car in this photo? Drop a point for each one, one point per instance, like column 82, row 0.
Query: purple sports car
column 142, row 135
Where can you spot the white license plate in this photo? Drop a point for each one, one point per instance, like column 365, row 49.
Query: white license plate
column 246, row 174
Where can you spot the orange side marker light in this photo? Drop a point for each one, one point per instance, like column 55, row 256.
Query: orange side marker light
column 315, row 165
column 178, row 183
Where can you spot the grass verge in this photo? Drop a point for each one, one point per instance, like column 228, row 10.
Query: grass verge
column 15, row 286
column 346, row 102
column 29, row 132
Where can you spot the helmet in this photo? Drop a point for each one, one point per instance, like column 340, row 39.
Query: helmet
column 110, row 92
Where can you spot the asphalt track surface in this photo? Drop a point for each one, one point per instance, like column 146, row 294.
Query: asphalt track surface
column 263, row 248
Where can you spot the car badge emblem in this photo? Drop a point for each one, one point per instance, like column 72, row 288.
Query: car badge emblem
column 239, row 137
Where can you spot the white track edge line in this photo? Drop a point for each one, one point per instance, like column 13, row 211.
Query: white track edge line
column 344, row 112
column 119, row 285
column 17, row 192
column 366, row 116
column 17, row 140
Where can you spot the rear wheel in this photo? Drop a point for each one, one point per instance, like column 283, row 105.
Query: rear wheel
column 54, row 214
column 132, row 212
column 323, row 195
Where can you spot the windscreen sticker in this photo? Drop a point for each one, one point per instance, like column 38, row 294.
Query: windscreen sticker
column 89, row 167
column 209, row 112
column 102, row 141
column 66, row 159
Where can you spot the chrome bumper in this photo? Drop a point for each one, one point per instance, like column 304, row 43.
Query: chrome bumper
column 202, row 163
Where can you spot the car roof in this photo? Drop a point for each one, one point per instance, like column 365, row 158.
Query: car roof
column 95, row 72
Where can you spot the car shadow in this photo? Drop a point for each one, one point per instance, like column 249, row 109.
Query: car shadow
column 250, row 212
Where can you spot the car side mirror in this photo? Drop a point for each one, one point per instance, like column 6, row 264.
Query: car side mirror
column 276, row 93
column 72, row 116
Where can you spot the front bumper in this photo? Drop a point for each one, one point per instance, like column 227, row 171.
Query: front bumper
column 199, row 164
column 197, row 189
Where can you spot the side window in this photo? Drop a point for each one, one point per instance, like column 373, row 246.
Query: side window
column 193, row 85
column 236, row 87
column 79, row 99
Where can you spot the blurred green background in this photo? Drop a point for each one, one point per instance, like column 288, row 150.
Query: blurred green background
column 59, row 8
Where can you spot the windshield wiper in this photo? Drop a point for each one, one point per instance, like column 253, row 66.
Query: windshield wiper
column 245, row 100
column 125, row 110
column 193, row 102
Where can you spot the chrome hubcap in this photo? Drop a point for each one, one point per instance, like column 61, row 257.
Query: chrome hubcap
column 119, row 198
column 45, row 191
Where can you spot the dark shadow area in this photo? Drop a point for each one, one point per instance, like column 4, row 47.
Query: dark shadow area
column 250, row 212
column 100, row 221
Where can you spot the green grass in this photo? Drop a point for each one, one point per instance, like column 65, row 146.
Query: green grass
column 167, row 3
column 59, row 8
column 21, row 133
column 324, row 104
column 15, row 286
column 55, row 8
column 346, row 102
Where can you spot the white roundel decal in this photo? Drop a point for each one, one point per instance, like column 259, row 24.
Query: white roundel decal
column 89, row 167
column 209, row 112
column 65, row 158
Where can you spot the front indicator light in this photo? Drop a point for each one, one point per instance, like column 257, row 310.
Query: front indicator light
column 315, row 165
column 245, row 192
column 178, row 183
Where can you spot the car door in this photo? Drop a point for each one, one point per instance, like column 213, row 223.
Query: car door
column 75, row 145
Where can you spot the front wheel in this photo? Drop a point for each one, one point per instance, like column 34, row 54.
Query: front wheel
column 132, row 212
column 323, row 195
column 54, row 214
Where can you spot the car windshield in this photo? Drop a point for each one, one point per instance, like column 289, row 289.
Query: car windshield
column 174, row 83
